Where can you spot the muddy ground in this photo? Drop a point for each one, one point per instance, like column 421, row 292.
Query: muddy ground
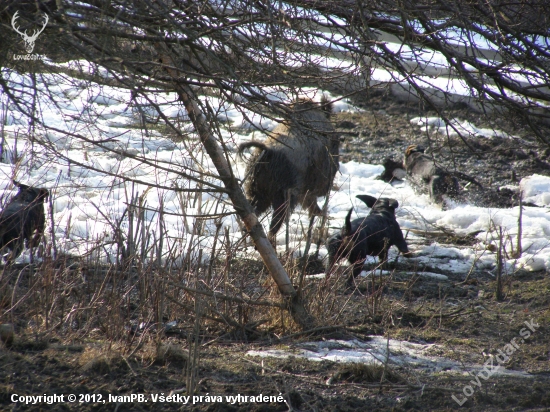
column 104, row 354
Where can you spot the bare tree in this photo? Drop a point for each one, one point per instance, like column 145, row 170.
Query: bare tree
column 250, row 53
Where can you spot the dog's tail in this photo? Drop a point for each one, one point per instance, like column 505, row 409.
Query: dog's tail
column 249, row 144
column 346, row 230
column 470, row 179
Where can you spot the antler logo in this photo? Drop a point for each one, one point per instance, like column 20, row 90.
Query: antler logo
column 29, row 40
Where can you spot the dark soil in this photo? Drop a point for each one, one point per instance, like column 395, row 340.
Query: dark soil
column 102, row 355
column 384, row 131
column 465, row 319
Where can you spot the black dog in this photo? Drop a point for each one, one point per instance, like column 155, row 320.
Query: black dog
column 367, row 236
column 22, row 220
column 392, row 171
column 421, row 166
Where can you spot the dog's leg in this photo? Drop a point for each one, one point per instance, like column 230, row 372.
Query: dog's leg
column 383, row 256
column 357, row 268
column 34, row 239
column 383, row 265
column 324, row 217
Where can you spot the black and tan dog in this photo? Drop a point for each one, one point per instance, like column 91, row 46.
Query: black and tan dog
column 372, row 235
column 421, row 167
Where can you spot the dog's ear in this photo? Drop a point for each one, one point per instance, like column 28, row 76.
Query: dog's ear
column 414, row 149
column 21, row 186
column 368, row 200
column 393, row 204
column 409, row 150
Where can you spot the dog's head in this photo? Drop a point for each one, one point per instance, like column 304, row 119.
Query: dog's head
column 414, row 149
column 30, row 194
column 382, row 205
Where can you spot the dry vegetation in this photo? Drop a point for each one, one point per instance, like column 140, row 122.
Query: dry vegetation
column 83, row 327
column 144, row 325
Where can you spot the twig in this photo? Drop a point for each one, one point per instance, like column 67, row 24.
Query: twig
column 218, row 295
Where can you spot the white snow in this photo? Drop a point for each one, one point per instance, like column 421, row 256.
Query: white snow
column 89, row 200
column 536, row 189
column 109, row 138
column 455, row 127
column 379, row 351
column 377, row 272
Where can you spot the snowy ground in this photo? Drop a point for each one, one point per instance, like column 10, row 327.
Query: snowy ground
column 378, row 351
column 418, row 212
column 90, row 197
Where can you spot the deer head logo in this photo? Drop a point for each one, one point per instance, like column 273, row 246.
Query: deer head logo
column 29, row 40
